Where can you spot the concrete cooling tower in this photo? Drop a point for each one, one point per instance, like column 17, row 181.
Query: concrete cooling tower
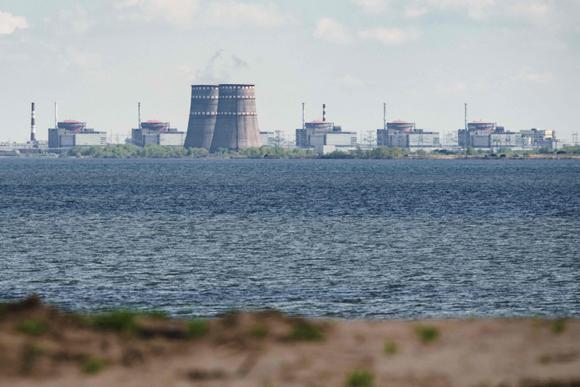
column 223, row 117
column 202, row 116
column 237, row 121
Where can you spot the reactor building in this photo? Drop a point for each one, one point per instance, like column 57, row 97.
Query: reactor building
column 404, row 134
column 157, row 133
column 223, row 117
column 487, row 135
column 324, row 136
column 71, row 133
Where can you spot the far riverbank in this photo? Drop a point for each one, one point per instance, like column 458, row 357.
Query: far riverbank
column 157, row 152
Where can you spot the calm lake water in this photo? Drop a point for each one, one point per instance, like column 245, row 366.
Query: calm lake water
column 349, row 239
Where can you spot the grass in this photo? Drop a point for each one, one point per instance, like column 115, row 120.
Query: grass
column 303, row 330
column 390, row 348
column 197, row 328
column 558, row 326
column 92, row 366
column 259, row 331
column 117, row 321
column 427, row 333
column 32, row 327
column 360, row 378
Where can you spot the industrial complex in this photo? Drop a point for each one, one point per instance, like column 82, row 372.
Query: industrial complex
column 490, row 136
column 158, row 133
column 324, row 136
column 486, row 135
column 155, row 132
column 224, row 118
column 72, row 133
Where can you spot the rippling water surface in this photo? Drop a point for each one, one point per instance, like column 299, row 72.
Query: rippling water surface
column 351, row 239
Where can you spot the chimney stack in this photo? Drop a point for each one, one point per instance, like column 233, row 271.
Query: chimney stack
column 323, row 112
column 55, row 115
column 33, row 124
column 465, row 116
column 384, row 115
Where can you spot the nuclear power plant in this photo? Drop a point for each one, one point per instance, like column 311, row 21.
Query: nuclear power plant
column 223, row 117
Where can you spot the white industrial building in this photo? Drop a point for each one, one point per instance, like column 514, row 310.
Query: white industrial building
column 333, row 141
column 71, row 133
column 488, row 136
column 324, row 136
column 404, row 134
column 157, row 133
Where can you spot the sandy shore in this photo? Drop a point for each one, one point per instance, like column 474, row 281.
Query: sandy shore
column 41, row 346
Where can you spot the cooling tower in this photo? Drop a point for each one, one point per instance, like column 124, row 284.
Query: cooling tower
column 237, row 122
column 202, row 116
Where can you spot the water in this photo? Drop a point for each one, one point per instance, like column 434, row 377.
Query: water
column 348, row 239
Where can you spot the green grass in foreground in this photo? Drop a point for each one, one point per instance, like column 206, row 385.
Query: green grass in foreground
column 116, row 320
column 558, row 326
column 391, row 348
column 303, row 330
column 259, row 331
column 427, row 333
column 197, row 328
column 360, row 378
column 32, row 327
column 92, row 366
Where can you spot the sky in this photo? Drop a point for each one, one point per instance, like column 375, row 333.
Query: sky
column 515, row 62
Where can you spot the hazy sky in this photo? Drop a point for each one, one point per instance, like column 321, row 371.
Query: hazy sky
column 516, row 62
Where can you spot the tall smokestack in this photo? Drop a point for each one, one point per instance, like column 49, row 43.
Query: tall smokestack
column 465, row 116
column 384, row 115
column 324, row 112
column 33, row 124
column 55, row 115
column 303, row 114
column 139, row 115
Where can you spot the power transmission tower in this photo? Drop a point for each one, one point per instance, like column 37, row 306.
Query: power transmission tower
column 370, row 139
column 279, row 140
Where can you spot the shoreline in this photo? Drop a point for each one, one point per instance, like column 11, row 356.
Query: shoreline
column 44, row 346
column 212, row 158
column 380, row 153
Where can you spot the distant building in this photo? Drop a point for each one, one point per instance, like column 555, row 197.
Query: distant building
column 477, row 134
column 539, row 138
column 157, row 133
column 489, row 136
column 71, row 133
column 325, row 137
column 273, row 139
column 404, row 134
column 334, row 141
